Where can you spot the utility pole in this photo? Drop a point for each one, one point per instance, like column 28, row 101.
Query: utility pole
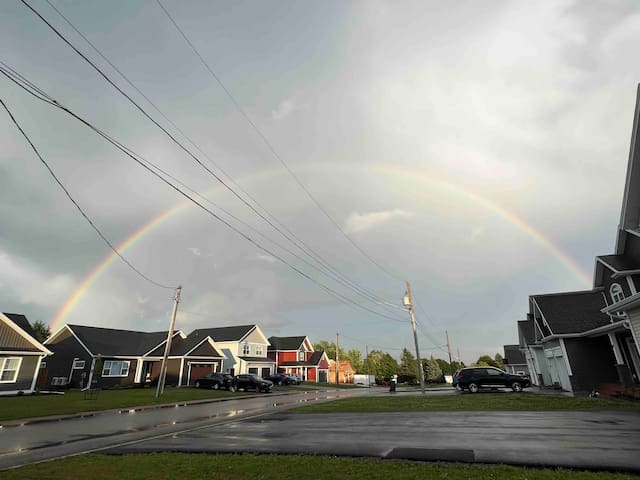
column 167, row 348
column 459, row 361
column 366, row 356
column 448, row 346
column 337, row 360
column 408, row 302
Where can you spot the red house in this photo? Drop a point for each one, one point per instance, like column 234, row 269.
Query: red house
column 295, row 355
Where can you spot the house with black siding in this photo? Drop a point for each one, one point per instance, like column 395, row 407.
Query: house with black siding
column 21, row 355
column 127, row 357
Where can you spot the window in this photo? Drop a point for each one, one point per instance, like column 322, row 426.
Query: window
column 246, row 349
column 43, row 364
column 493, row 372
column 115, row 368
column 301, row 356
column 259, row 350
column 9, row 367
column 78, row 364
column 617, row 295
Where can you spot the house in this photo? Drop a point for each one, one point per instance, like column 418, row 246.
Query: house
column 295, row 355
column 580, row 340
column 128, row 357
column 244, row 348
column 345, row 371
column 514, row 361
column 21, row 355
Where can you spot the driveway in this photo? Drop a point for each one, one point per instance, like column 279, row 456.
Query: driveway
column 589, row 440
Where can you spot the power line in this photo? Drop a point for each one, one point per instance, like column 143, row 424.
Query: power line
column 49, row 100
column 298, row 243
column 270, row 146
column 75, row 203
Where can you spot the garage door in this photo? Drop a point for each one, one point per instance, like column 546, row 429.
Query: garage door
column 200, row 370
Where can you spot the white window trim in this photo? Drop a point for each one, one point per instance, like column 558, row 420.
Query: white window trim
column 78, row 364
column 3, row 362
column 618, row 295
column 248, row 349
column 259, row 350
column 116, row 361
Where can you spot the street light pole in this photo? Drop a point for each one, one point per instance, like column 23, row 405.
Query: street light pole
column 408, row 302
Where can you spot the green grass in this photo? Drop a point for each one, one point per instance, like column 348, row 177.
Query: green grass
column 468, row 402
column 170, row 466
column 73, row 401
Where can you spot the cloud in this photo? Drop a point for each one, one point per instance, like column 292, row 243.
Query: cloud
column 196, row 251
column 284, row 109
column 360, row 222
column 262, row 258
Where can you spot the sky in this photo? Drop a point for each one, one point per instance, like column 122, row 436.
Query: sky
column 477, row 150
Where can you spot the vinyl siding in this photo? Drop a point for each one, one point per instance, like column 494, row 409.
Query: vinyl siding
column 25, row 374
column 10, row 340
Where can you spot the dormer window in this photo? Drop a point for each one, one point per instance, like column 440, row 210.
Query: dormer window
column 301, row 356
column 616, row 292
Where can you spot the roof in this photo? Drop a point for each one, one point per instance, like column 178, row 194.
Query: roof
column 189, row 344
column 257, row 359
column 573, row 312
column 223, row 334
column 620, row 263
column 21, row 321
column 513, row 355
column 316, row 357
column 526, row 330
column 285, row 343
column 114, row 342
column 23, row 339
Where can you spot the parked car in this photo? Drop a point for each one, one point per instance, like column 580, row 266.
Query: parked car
column 454, row 382
column 251, row 381
column 295, row 379
column 216, row 381
column 474, row 378
column 281, row 379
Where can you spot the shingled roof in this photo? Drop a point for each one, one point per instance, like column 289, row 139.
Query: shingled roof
column 285, row 343
column 223, row 334
column 114, row 342
column 526, row 331
column 620, row 263
column 573, row 312
column 21, row 321
column 513, row 355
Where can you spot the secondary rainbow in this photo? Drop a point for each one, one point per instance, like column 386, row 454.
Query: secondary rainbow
column 448, row 187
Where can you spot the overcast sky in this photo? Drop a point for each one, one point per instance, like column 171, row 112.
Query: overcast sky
column 478, row 152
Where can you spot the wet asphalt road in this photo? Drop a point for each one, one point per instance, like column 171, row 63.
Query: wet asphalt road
column 261, row 424
column 32, row 442
column 589, row 440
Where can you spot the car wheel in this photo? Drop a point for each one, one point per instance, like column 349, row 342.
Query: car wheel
column 215, row 386
column 516, row 387
column 473, row 388
column 231, row 388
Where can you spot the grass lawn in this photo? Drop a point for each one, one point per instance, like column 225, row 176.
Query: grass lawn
column 165, row 466
column 73, row 401
column 468, row 402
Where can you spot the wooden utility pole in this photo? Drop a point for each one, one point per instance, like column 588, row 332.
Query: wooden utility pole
column 337, row 360
column 448, row 346
column 366, row 356
column 167, row 348
column 408, row 302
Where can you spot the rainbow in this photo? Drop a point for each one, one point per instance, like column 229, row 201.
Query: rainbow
column 440, row 184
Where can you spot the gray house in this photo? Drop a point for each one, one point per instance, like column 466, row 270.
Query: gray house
column 514, row 361
column 21, row 355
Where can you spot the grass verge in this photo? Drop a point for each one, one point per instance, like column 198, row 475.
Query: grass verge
column 73, row 401
column 165, row 466
column 468, row 402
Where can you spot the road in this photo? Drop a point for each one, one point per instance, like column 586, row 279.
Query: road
column 27, row 443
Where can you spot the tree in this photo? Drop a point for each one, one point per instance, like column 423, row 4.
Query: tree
column 432, row 371
column 486, row 360
column 380, row 364
column 329, row 348
column 408, row 368
column 355, row 357
column 41, row 330
column 444, row 366
column 499, row 361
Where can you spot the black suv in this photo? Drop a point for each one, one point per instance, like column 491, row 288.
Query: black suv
column 251, row 381
column 216, row 381
column 474, row 378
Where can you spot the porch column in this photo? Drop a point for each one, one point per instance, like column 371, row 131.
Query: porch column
column 136, row 378
column 616, row 348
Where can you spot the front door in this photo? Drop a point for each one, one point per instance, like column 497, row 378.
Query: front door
column 266, row 371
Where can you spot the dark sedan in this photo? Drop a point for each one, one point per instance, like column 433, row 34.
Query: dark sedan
column 216, row 381
column 475, row 378
column 251, row 381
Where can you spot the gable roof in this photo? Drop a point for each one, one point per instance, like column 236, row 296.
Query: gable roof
column 114, row 342
column 224, row 334
column 573, row 312
column 23, row 331
column 620, row 263
column 285, row 343
column 316, row 357
column 526, row 331
column 513, row 355
column 191, row 342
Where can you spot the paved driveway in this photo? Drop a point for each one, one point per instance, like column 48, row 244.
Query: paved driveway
column 594, row 440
